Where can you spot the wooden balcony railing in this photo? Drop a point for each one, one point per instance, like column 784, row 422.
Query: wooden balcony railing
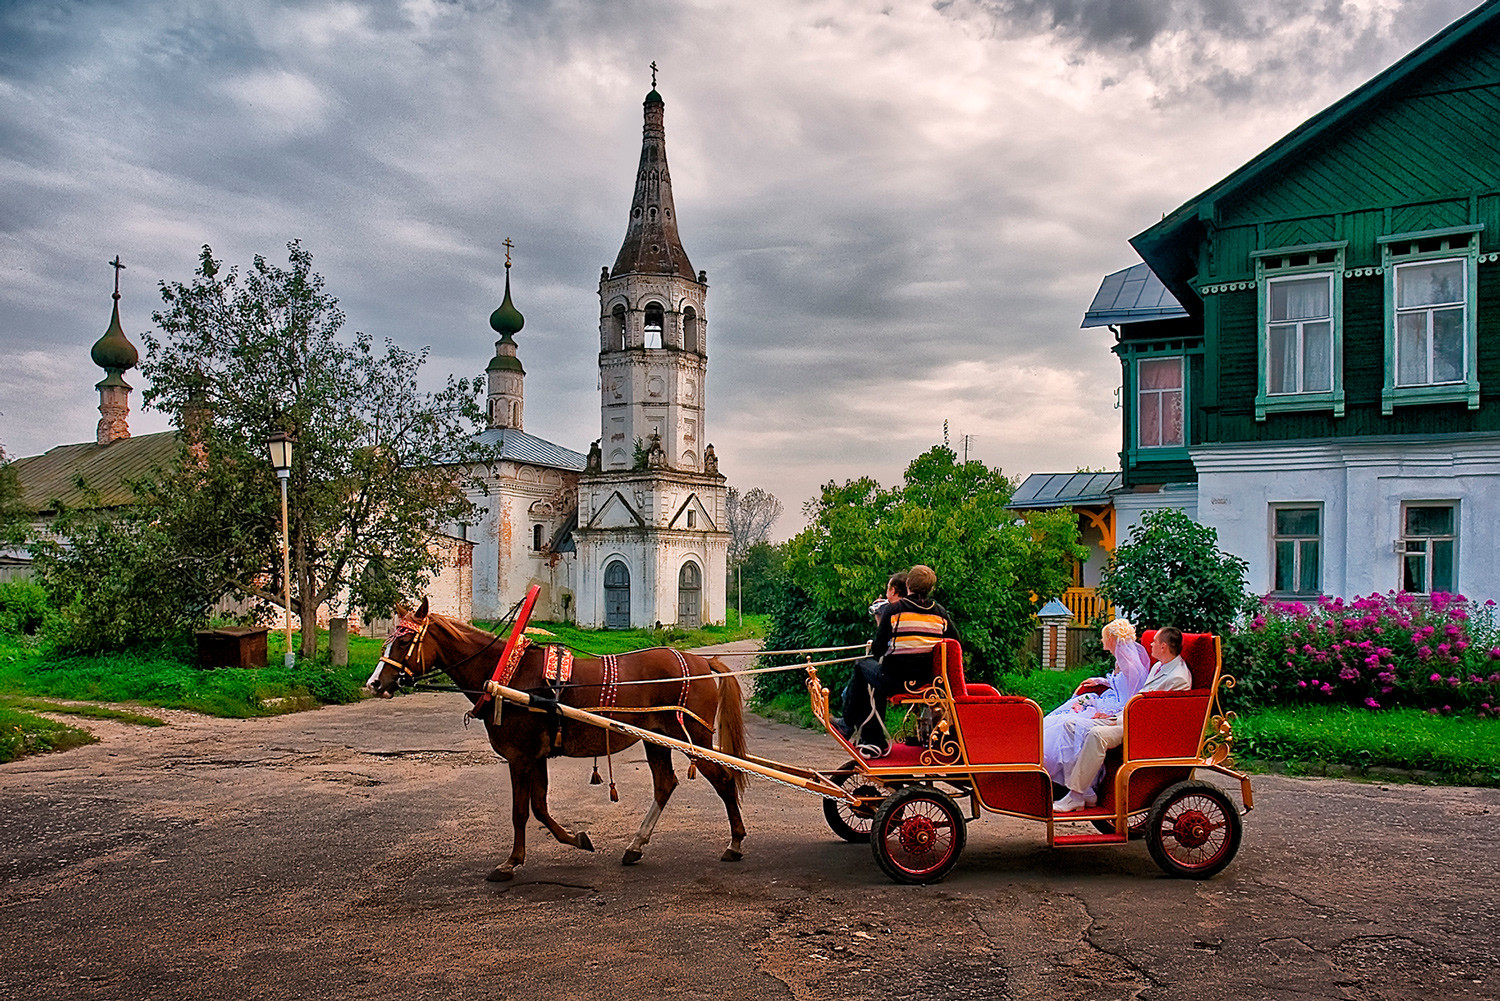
column 1085, row 604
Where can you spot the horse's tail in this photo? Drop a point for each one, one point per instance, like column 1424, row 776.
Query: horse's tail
column 731, row 718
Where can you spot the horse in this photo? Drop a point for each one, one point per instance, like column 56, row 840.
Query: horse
column 662, row 690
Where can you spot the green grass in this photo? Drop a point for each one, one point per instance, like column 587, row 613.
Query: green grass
column 88, row 709
column 22, row 733
column 604, row 641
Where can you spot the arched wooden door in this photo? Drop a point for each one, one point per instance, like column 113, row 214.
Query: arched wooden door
column 617, row 596
column 690, row 596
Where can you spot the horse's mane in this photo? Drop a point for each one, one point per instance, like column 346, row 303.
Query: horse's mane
column 459, row 629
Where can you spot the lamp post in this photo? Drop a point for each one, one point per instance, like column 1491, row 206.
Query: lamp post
column 280, row 446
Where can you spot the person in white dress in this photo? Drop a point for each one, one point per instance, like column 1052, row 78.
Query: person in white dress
column 1171, row 674
column 1064, row 729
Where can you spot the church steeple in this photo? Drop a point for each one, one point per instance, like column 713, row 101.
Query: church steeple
column 115, row 354
column 652, row 246
column 506, row 376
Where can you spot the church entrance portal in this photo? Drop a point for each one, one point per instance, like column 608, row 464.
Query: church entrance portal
column 617, row 596
column 690, row 597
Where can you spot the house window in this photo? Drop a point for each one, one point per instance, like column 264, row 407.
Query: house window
column 1297, row 544
column 1159, row 402
column 1301, row 328
column 1431, row 303
column 1431, row 334
column 1299, row 335
column 1429, row 548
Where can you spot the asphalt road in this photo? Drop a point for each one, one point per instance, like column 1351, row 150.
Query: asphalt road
column 341, row 853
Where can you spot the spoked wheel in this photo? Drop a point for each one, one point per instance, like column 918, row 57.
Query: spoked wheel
column 918, row 835
column 1194, row 830
column 852, row 823
column 1137, row 825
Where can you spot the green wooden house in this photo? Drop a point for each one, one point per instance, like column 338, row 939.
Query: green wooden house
column 1328, row 395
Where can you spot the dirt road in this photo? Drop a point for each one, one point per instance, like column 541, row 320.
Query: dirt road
column 341, row 853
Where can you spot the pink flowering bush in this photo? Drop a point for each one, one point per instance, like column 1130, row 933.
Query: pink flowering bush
column 1438, row 652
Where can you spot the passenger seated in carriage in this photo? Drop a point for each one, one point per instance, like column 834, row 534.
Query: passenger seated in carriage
column 907, row 627
column 1074, row 754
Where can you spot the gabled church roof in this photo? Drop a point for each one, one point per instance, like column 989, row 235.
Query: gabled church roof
column 106, row 472
column 518, row 446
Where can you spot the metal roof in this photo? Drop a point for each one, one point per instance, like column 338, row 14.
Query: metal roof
column 105, row 471
column 1042, row 490
column 1132, row 296
column 518, row 446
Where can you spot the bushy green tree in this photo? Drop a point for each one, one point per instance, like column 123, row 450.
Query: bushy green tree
column 379, row 467
column 1172, row 573
column 753, row 581
column 13, row 518
column 992, row 564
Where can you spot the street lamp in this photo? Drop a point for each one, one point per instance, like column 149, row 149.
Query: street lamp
column 280, row 446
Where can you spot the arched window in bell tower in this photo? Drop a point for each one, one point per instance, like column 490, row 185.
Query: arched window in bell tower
column 689, row 330
column 653, row 324
column 617, row 329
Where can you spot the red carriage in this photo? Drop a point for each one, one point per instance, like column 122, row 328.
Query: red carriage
column 975, row 745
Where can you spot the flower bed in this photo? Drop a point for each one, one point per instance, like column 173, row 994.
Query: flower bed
column 1440, row 653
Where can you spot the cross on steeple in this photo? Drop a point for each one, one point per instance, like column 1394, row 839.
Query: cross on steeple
column 508, row 245
column 118, row 268
column 653, row 74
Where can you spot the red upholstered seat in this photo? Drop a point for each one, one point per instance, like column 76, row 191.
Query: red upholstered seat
column 1170, row 724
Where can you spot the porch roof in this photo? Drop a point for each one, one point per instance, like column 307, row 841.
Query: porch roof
column 1045, row 490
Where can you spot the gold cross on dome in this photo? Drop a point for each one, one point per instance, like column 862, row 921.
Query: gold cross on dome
column 508, row 245
column 118, row 268
column 653, row 74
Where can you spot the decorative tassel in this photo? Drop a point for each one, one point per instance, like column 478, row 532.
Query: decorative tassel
column 614, row 794
column 692, row 769
column 595, row 780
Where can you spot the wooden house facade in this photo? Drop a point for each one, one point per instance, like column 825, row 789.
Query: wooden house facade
column 1330, row 401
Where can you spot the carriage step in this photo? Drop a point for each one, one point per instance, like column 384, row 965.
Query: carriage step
column 1094, row 838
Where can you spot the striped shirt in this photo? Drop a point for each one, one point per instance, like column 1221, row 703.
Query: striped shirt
column 911, row 626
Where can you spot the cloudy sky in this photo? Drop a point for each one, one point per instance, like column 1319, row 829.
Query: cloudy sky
column 903, row 208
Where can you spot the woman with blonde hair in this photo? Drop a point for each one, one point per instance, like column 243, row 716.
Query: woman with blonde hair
column 1066, row 727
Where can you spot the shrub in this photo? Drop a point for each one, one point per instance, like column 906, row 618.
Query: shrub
column 1440, row 653
column 1172, row 573
column 24, row 608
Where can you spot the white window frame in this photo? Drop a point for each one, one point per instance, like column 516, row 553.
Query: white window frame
column 1407, row 546
column 1299, row 263
column 1457, row 243
column 1298, row 553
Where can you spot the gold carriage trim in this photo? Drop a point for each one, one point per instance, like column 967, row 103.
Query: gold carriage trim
column 1219, row 737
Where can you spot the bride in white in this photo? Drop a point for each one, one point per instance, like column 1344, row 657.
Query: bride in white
column 1096, row 700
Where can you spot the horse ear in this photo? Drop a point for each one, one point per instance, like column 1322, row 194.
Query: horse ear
column 422, row 610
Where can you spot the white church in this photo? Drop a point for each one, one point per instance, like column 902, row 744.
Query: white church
column 633, row 533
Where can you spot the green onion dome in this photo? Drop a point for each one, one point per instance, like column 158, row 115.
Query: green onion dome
column 507, row 319
column 113, row 351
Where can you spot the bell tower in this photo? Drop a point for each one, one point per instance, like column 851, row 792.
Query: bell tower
column 650, row 539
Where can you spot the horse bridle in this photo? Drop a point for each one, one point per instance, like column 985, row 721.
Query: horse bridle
column 418, row 632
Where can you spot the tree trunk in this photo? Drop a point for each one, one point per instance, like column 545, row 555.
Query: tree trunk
column 307, row 604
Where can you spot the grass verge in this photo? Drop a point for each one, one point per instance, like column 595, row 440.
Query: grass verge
column 88, row 709
column 606, row 641
column 23, row 733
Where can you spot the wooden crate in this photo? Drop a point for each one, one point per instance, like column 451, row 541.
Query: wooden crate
column 232, row 646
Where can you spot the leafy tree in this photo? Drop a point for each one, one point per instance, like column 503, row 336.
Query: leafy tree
column 1172, row 572
column 378, row 469
column 753, row 581
column 750, row 516
column 992, row 565
column 13, row 518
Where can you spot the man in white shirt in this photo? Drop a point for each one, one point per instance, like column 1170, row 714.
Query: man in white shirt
column 1170, row 674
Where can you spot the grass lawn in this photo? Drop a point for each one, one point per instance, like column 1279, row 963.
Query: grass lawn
column 165, row 677
column 1314, row 740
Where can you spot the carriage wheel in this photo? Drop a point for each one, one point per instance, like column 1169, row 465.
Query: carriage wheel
column 852, row 823
column 1194, row 830
column 918, row 835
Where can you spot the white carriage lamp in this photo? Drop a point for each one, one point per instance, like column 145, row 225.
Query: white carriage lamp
column 280, row 446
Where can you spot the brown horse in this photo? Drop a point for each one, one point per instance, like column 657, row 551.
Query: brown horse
column 680, row 695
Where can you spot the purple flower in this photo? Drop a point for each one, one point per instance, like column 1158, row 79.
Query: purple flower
column 1327, row 687
column 1435, row 677
column 1349, row 674
column 1371, row 703
column 1300, row 684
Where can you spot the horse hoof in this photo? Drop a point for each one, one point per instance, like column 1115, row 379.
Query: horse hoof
column 631, row 857
column 501, row 874
column 584, row 842
column 730, row 855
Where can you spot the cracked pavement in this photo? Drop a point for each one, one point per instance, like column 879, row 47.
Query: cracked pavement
column 342, row 853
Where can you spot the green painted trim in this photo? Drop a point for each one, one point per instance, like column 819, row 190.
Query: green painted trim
column 1159, row 453
column 1431, row 234
column 1266, row 402
column 1466, row 392
column 1301, row 248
